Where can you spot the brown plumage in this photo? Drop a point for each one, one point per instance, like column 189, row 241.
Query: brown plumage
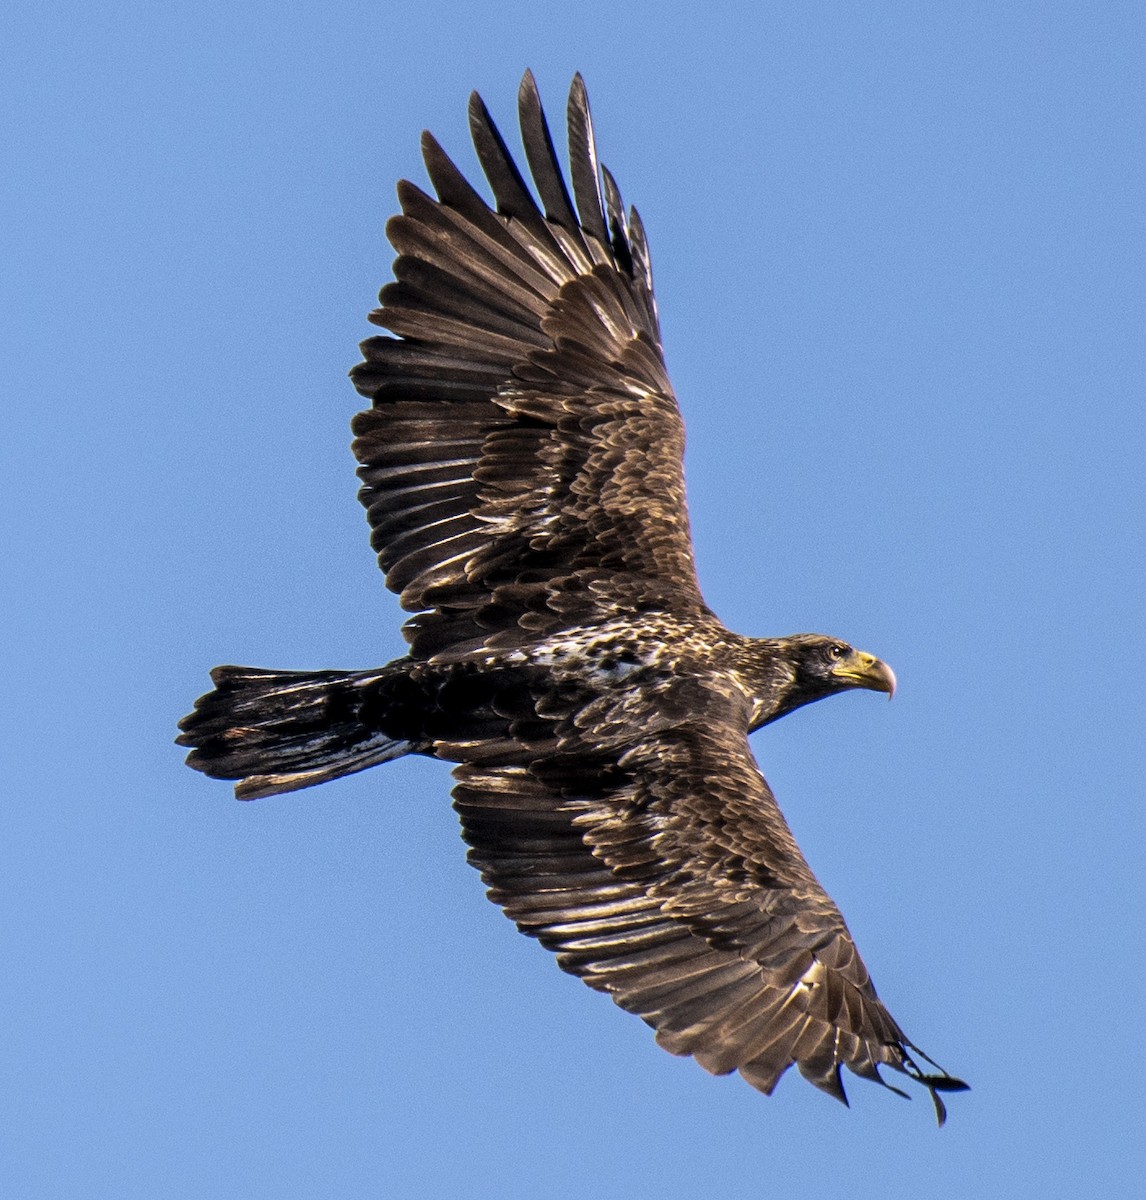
column 522, row 474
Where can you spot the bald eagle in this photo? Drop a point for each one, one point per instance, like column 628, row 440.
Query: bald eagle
column 521, row 467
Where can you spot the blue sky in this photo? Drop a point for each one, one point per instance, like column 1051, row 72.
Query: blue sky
column 899, row 260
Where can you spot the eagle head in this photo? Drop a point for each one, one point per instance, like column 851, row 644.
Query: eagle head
column 822, row 665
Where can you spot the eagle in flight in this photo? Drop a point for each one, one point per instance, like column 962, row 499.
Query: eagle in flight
column 521, row 467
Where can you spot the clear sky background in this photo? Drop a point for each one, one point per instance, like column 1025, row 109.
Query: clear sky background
column 899, row 260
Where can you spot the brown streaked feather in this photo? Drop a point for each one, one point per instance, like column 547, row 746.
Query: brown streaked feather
column 542, row 157
column 716, row 933
column 545, row 455
column 583, row 163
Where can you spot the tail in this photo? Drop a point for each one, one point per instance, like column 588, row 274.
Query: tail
column 276, row 731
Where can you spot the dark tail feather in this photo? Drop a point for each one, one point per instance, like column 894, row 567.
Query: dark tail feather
column 276, row 731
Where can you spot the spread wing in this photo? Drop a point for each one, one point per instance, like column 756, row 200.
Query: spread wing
column 521, row 463
column 670, row 880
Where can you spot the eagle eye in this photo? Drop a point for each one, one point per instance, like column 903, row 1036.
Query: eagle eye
column 836, row 650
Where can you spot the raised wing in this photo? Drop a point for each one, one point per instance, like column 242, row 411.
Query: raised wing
column 671, row 881
column 521, row 464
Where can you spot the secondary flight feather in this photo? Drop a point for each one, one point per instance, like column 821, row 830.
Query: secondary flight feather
column 521, row 467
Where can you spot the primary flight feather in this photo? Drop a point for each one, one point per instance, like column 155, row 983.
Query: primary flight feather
column 521, row 469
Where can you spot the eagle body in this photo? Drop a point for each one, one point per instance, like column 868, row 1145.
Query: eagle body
column 521, row 468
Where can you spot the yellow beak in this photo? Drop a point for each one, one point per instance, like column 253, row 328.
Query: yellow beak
column 866, row 671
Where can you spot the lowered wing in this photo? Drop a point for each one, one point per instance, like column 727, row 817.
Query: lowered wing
column 669, row 879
